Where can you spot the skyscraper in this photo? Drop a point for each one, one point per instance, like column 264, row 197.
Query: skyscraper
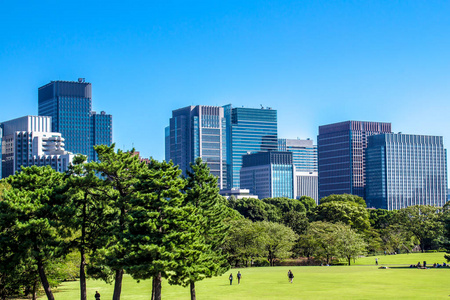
column 69, row 103
column 404, row 170
column 304, row 157
column 341, row 156
column 29, row 141
column 268, row 174
column 248, row 130
column 199, row 131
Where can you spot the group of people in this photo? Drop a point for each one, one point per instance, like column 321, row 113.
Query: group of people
column 239, row 275
column 424, row 266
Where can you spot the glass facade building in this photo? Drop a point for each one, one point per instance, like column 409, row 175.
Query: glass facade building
column 248, row 130
column 304, row 153
column 69, row 103
column 341, row 161
column 268, row 174
column 404, row 170
column 198, row 131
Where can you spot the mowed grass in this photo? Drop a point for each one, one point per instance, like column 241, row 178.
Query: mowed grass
column 335, row 282
column 402, row 259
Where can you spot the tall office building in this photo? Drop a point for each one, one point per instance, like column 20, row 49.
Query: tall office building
column 199, row 131
column 304, row 156
column 248, row 130
column 268, row 174
column 404, row 170
column 69, row 103
column 29, row 141
column 101, row 132
column 341, row 156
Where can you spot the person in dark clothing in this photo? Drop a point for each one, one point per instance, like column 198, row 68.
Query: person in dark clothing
column 290, row 276
column 97, row 295
column 231, row 278
column 239, row 277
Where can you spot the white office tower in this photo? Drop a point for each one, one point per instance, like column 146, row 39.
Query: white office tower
column 29, row 141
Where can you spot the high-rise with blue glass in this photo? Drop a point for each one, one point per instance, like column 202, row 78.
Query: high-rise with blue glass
column 249, row 130
column 341, row 160
column 198, row 131
column 404, row 170
column 268, row 174
column 69, row 103
column 304, row 158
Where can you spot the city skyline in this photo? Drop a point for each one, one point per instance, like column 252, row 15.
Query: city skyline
column 316, row 63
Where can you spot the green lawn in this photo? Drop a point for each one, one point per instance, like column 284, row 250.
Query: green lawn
column 336, row 282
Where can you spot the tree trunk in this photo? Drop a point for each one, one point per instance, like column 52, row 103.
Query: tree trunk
column 34, row 290
column 118, row 284
column 44, row 280
column 349, row 259
column 193, row 297
column 83, row 292
column 153, row 288
column 157, row 286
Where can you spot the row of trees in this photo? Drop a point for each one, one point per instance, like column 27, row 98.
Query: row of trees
column 120, row 215
column 342, row 227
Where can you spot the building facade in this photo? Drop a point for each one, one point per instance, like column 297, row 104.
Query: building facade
column 69, row 103
column 268, row 174
column 29, row 141
column 304, row 157
column 198, row 131
column 248, row 130
column 404, row 170
column 341, row 161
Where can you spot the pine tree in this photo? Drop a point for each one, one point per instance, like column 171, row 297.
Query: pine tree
column 120, row 172
column 202, row 193
column 160, row 226
column 84, row 213
column 33, row 203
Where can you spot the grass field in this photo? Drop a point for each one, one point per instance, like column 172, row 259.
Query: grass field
column 336, row 282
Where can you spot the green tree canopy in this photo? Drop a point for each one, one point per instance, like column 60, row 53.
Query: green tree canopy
column 424, row 221
column 277, row 240
column 308, row 202
column 349, row 213
column 343, row 198
column 256, row 210
column 286, row 205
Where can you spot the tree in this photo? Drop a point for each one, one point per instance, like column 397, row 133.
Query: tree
column 349, row 213
column 343, row 198
column 202, row 193
column 296, row 221
column 84, row 213
column 446, row 224
column 423, row 221
column 285, row 205
column 308, row 202
column 120, row 172
column 350, row 243
column 31, row 206
column 257, row 210
column 242, row 242
column 162, row 231
column 277, row 239
column 321, row 236
column 382, row 218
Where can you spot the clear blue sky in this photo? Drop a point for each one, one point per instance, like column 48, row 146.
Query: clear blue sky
column 316, row 62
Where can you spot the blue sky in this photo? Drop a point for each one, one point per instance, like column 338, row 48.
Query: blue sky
column 316, row 62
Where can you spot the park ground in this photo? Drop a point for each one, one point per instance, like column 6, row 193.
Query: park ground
column 363, row 280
